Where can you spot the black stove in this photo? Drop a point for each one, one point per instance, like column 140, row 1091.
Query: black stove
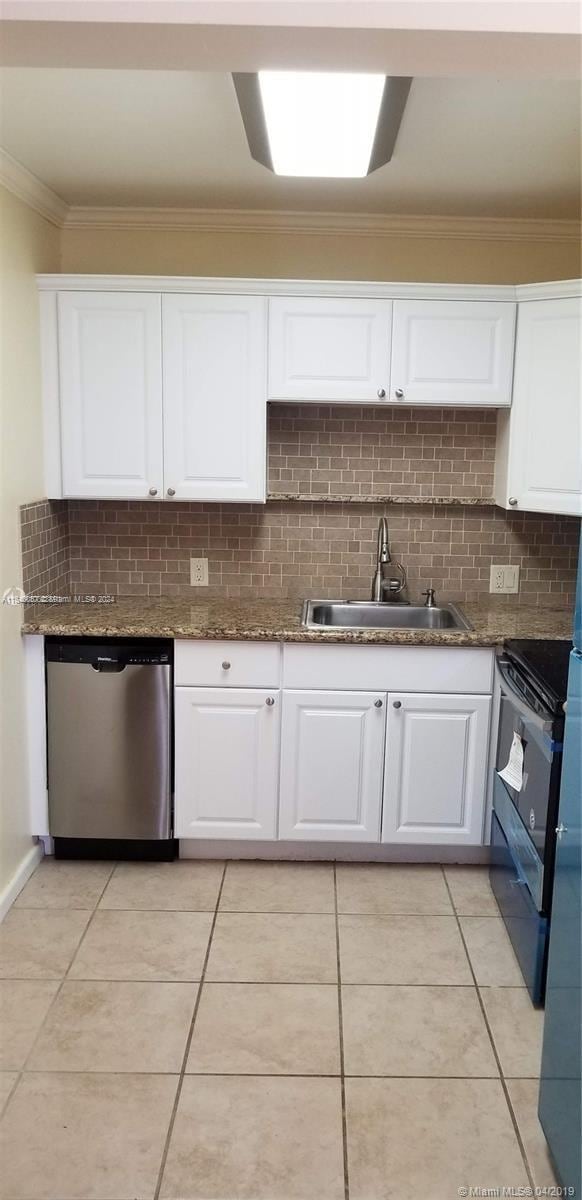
column 545, row 664
column 533, row 679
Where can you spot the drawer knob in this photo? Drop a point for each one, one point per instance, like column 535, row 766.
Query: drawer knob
column 381, row 393
column 513, row 501
column 377, row 704
column 226, row 666
column 399, row 393
column 397, row 704
column 269, row 701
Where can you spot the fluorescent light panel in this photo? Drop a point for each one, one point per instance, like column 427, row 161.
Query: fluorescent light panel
column 321, row 124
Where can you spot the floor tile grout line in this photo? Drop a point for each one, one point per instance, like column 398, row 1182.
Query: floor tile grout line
column 256, row 982
column 186, row 1054
column 65, row 977
column 264, row 1074
column 493, row 1046
column 256, row 912
column 341, row 1044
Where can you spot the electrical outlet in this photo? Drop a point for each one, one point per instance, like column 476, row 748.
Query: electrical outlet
column 199, row 572
column 504, row 580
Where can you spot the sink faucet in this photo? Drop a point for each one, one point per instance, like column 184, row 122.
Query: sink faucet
column 394, row 583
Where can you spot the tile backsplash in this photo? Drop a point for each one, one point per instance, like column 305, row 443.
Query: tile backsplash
column 322, row 450
column 299, row 549
column 44, row 531
column 310, row 547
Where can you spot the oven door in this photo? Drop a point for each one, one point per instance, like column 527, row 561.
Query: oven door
column 535, row 730
column 523, row 813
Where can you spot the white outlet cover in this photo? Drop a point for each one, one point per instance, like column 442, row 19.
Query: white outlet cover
column 511, row 580
column 504, row 579
column 199, row 572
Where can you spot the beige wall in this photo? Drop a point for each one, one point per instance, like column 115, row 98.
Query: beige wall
column 27, row 244
column 316, row 256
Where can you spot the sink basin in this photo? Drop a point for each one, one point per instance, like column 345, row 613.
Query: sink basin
column 370, row 614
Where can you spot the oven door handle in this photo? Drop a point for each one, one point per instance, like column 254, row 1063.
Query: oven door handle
column 528, row 714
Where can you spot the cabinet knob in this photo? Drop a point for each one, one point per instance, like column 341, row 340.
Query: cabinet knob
column 399, row 393
column 171, row 491
column 377, row 704
column 269, row 701
column 226, row 666
column 153, row 491
column 381, row 393
column 397, row 704
column 513, row 501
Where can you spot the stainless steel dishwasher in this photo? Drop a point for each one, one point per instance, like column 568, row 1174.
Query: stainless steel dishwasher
column 109, row 747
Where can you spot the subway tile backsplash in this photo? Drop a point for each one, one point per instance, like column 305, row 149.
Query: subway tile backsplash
column 314, row 548
column 44, row 532
column 421, row 452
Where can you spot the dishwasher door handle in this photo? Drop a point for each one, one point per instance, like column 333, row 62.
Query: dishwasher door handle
column 112, row 667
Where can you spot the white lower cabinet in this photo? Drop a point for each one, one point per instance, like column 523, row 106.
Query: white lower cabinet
column 435, row 769
column 331, row 766
column 226, row 762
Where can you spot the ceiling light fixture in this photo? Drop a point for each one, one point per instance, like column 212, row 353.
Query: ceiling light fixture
column 317, row 124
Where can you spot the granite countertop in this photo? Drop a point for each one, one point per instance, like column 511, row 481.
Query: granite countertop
column 493, row 622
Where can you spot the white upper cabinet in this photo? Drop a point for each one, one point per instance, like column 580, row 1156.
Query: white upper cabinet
column 436, row 769
column 110, row 378
column 214, row 353
column 329, row 349
column 539, row 449
column 331, row 766
column 452, row 352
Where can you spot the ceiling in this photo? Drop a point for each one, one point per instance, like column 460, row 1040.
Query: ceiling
column 466, row 147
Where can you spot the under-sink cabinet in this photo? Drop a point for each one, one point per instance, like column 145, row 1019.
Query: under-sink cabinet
column 332, row 746
column 435, row 768
column 269, row 745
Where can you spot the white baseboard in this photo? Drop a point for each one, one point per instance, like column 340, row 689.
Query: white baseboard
column 310, row 851
column 21, row 875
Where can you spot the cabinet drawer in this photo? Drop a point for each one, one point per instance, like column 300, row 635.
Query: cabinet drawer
column 389, row 668
column 227, row 664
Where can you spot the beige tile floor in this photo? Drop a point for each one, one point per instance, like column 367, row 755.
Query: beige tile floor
column 263, row 1031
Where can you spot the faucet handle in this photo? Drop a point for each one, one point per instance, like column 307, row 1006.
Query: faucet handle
column 429, row 593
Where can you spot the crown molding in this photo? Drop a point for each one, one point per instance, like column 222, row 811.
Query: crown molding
column 22, row 183
column 206, row 220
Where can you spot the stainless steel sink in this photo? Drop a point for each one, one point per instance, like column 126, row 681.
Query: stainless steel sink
column 370, row 614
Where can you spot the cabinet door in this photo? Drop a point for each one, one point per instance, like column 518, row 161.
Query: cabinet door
column 545, row 435
column 226, row 763
column 214, row 397
column 452, row 352
column 110, row 369
column 331, row 766
column 329, row 349
column 436, row 767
